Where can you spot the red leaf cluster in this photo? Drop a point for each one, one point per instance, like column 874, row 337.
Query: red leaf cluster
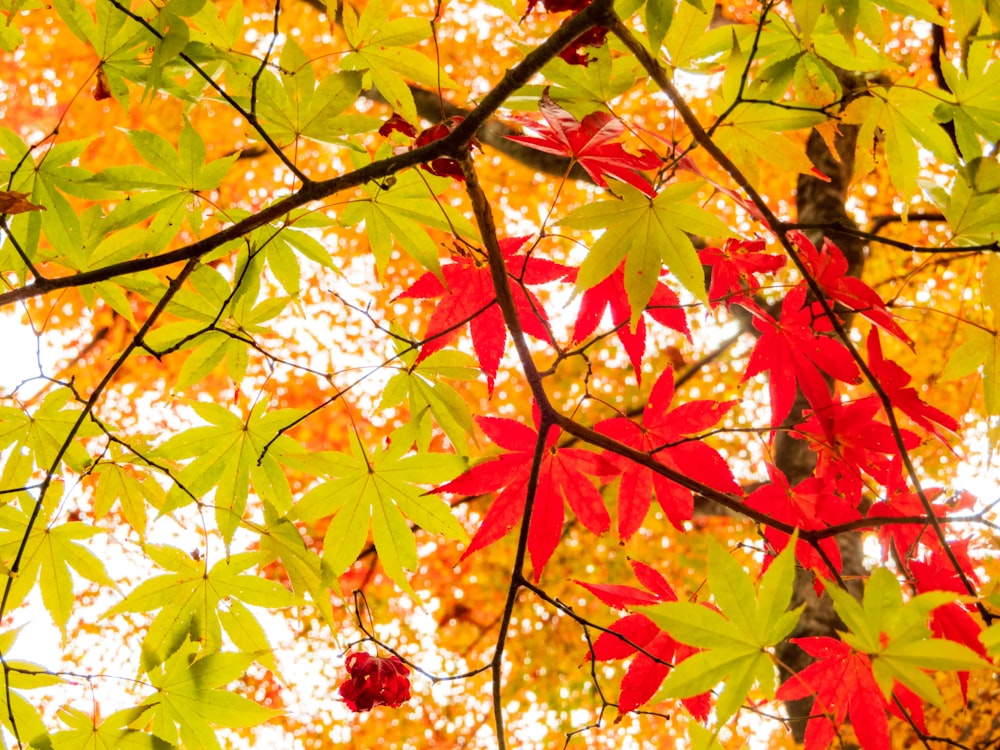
column 443, row 166
column 467, row 296
column 375, row 681
column 664, row 307
column 574, row 53
column 589, row 142
column 651, row 664
column 828, row 267
column 562, row 478
column 734, row 267
column 843, row 684
column 811, row 505
column 796, row 352
column 672, row 436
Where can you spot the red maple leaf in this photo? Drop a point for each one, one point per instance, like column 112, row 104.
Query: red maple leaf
column 894, row 381
column 574, row 53
column 442, row 166
column 829, row 268
column 589, row 142
column 647, row 671
column 562, row 478
column 664, row 307
column 375, row 681
column 953, row 621
column 733, row 268
column 467, row 296
column 795, row 352
column 842, row 683
column 902, row 502
column 850, row 441
column 810, row 505
column 399, row 124
column 667, row 435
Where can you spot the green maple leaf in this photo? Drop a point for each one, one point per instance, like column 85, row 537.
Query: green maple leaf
column 905, row 117
column 281, row 541
column 429, row 395
column 971, row 204
column 738, row 639
column 294, row 106
column 188, row 703
column 689, row 41
column 752, row 133
column 51, row 551
column 281, row 245
column 883, row 626
column 86, row 732
column 168, row 184
column 228, row 455
column 379, row 491
column 117, row 40
column 647, row 234
column 131, row 486
column 198, row 601
column 48, row 180
column 404, row 212
column 39, row 436
column 380, row 51
column 982, row 344
column 977, row 99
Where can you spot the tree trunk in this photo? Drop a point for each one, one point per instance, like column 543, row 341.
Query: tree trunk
column 819, row 202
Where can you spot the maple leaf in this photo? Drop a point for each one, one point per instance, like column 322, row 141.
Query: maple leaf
column 664, row 307
column 795, row 353
column 378, row 491
column 738, row 638
column 894, row 381
column 733, row 268
column 375, row 681
column 467, row 296
column 229, row 453
column 50, row 552
column 667, row 436
column 589, row 142
column 902, row 502
column 189, row 596
column 573, row 53
column 562, row 477
column 810, row 505
column 849, row 441
column 398, row 124
column 651, row 646
column 952, row 621
column 896, row 635
column 96, row 732
column 828, row 267
column 842, row 683
column 647, row 235
column 189, row 698
column 442, row 166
